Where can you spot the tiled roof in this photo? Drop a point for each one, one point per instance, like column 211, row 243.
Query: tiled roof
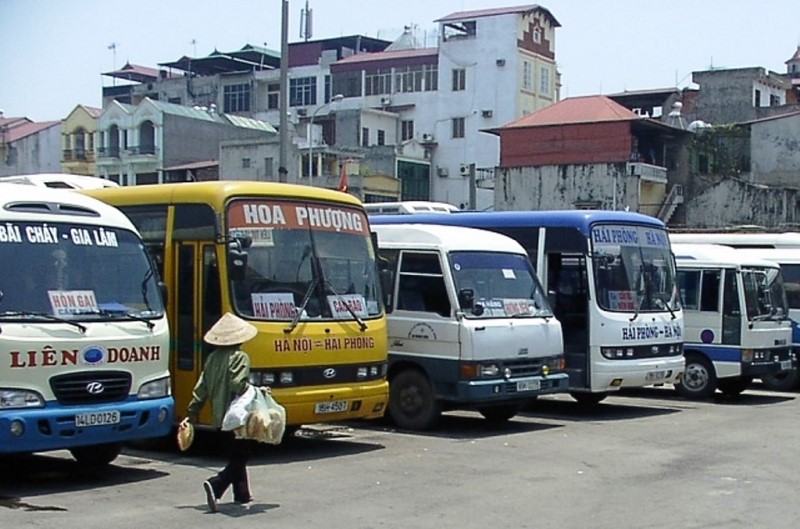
column 461, row 15
column 382, row 55
column 586, row 109
column 28, row 129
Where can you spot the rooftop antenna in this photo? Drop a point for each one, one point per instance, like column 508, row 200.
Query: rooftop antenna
column 194, row 47
column 113, row 48
column 306, row 28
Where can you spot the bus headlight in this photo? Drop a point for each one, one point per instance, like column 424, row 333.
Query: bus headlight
column 747, row 355
column 471, row 370
column 19, row 398
column 155, row 389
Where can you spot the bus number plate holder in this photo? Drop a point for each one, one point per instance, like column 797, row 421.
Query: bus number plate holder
column 529, row 385
column 333, row 406
column 97, row 418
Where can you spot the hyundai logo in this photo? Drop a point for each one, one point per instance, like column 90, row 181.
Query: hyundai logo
column 329, row 373
column 95, row 388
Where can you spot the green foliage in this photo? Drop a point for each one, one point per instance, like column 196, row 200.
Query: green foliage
column 722, row 150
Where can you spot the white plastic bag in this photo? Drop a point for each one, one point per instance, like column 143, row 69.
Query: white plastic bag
column 266, row 421
column 239, row 409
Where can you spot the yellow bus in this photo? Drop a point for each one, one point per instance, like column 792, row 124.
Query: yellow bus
column 297, row 262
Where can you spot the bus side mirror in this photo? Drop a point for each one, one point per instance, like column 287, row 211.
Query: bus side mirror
column 387, row 286
column 162, row 286
column 466, row 298
column 237, row 259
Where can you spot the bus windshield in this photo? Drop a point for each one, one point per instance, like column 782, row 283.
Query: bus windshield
column 633, row 269
column 77, row 272
column 305, row 265
column 764, row 293
column 498, row 285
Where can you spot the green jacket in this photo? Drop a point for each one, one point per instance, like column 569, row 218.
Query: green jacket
column 223, row 378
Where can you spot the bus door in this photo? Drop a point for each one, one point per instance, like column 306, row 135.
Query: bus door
column 197, row 306
column 568, row 290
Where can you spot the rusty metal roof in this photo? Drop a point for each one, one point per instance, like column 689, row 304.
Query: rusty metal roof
column 461, row 15
column 585, row 109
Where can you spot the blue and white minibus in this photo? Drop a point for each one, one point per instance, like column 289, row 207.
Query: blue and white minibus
column 737, row 323
column 610, row 277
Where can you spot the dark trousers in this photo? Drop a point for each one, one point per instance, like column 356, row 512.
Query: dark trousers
column 235, row 472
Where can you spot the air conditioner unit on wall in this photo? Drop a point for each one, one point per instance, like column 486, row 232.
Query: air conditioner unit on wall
column 463, row 170
column 386, row 101
column 427, row 137
column 442, row 172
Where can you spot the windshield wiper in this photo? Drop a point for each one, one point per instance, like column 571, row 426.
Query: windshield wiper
column 121, row 313
column 663, row 300
column 299, row 310
column 50, row 317
column 361, row 323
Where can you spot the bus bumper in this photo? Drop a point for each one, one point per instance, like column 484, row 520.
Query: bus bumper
column 611, row 375
column 53, row 427
column 333, row 404
column 483, row 391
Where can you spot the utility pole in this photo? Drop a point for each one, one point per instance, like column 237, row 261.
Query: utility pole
column 284, row 95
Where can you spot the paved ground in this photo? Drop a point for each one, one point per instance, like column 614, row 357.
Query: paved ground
column 645, row 459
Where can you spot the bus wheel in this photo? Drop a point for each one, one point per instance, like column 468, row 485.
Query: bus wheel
column 733, row 387
column 584, row 398
column 699, row 381
column 500, row 412
column 785, row 381
column 97, row 455
column 412, row 405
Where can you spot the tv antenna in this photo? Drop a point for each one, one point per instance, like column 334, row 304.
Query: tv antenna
column 306, row 28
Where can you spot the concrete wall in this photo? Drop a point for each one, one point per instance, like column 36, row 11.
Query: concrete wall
column 37, row 153
column 775, row 151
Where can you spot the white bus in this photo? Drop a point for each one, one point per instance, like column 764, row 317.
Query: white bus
column 736, row 318
column 408, row 207
column 59, row 181
column 84, row 340
column 610, row 276
column 740, row 239
column 469, row 325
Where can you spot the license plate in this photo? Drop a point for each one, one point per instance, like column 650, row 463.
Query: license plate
column 786, row 365
column 332, row 406
column 655, row 375
column 529, row 385
column 97, row 418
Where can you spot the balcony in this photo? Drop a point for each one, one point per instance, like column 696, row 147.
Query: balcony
column 108, row 152
column 648, row 172
column 137, row 150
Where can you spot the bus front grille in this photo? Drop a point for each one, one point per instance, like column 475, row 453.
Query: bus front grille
column 91, row 387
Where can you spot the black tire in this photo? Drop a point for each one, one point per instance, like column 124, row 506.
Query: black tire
column 733, row 387
column 412, row 404
column 786, row 381
column 97, row 455
column 699, row 380
column 500, row 413
column 584, row 398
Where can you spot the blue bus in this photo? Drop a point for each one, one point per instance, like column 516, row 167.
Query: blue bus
column 611, row 280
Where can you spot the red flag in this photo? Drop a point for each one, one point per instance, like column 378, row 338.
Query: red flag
column 343, row 179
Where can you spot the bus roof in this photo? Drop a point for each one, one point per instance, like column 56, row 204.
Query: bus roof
column 741, row 239
column 716, row 254
column 57, row 205
column 779, row 255
column 216, row 193
column 59, row 181
column 448, row 238
column 408, row 207
column 579, row 219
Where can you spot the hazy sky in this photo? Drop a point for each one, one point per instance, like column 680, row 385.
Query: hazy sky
column 52, row 52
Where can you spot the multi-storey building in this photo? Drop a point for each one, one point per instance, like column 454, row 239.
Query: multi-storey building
column 78, row 134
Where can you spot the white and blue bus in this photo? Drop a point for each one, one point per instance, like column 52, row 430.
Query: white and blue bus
column 611, row 281
column 737, row 322
column 84, row 339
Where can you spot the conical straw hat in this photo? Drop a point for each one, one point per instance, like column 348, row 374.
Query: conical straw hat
column 230, row 330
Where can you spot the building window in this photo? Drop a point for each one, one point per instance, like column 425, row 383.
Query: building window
column 381, row 137
column 236, row 98
column 527, row 75
column 327, row 88
column 459, row 79
column 302, row 91
column 365, row 137
column 757, row 99
column 458, row 127
column 406, row 130
column 537, row 35
column 175, row 100
column 378, row 81
column 431, row 77
column 245, row 163
column 544, row 80
column 273, row 96
column 269, row 170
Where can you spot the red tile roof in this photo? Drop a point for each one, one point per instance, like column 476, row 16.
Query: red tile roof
column 461, row 15
column 28, row 129
column 383, row 55
column 586, row 109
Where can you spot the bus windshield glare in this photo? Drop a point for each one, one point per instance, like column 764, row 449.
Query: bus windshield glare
column 633, row 269
column 501, row 285
column 76, row 271
column 323, row 269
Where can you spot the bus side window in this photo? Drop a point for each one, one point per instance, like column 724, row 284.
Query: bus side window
column 421, row 273
column 689, row 281
column 709, row 295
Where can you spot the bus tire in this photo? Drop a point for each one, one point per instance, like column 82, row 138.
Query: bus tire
column 699, row 380
column 786, row 381
column 96, row 455
column 499, row 413
column 585, row 398
column 733, row 387
column 412, row 403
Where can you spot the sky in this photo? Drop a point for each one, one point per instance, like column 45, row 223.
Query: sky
column 53, row 52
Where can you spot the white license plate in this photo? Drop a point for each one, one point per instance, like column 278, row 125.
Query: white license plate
column 97, row 418
column 786, row 365
column 333, row 406
column 529, row 385
column 655, row 375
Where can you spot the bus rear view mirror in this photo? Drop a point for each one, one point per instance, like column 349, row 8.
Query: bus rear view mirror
column 237, row 258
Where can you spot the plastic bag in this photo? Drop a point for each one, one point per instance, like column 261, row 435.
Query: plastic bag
column 239, row 409
column 266, row 421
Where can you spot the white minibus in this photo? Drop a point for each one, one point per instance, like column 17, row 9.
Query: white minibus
column 408, row 207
